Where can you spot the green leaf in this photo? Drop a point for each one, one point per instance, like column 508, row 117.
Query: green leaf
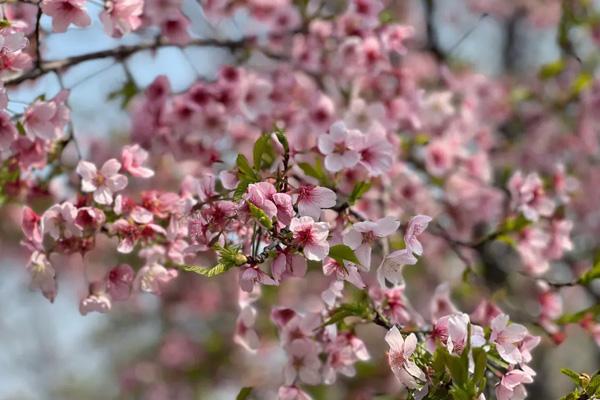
column 208, row 272
column 280, row 133
column 347, row 310
column 260, row 216
column 574, row 376
column 244, row 393
column 20, row 128
column 582, row 82
column 125, row 93
column 240, row 190
column 341, row 252
column 263, row 153
column 591, row 274
column 316, row 172
column 480, row 361
column 574, row 318
column 245, row 172
column 552, row 69
column 358, row 191
column 230, row 256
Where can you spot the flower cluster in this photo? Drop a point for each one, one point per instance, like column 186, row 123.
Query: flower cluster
column 307, row 177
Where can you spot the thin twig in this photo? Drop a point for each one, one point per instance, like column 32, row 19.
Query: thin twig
column 119, row 53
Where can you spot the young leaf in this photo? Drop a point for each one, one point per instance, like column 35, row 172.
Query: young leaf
column 208, row 272
column 260, row 216
column 245, row 171
column 571, row 374
column 589, row 275
column 341, row 252
column 358, row 191
column 244, row 393
column 263, row 153
column 316, row 172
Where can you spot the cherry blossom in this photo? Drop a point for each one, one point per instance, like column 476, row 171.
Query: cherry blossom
column 132, row 158
column 66, row 12
column 416, row 226
column 311, row 236
column 103, row 183
column 154, row 278
column 506, row 337
column 362, row 236
column 245, row 335
column 340, row 147
column 304, row 363
column 401, row 350
column 311, row 199
column 47, row 119
column 122, row 17
column 528, row 196
column 42, row 275
column 511, row 386
column 119, row 281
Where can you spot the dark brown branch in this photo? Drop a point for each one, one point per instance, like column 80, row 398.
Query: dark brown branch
column 433, row 44
column 119, row 53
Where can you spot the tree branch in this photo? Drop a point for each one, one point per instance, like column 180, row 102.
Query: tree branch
column 120, row 53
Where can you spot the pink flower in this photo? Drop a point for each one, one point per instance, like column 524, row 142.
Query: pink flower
column 47, row 119
column 103, row 183
column 439, row 157
column 292, row 393
column 560, row 240
column 333, row 293
column 251, row 275
column 311, row 236
column 127, row 207
column 340, row 147
column 129, row 233
column 8, row 131
column 311, row 199
column 66, row 12
column 376, row 152
column 295, row 326
column 303, row 363
column 416, row 227
column 245, row 335
column 97, row 300
column 174, row 26
column 119, row 281
column 154, row 278
column 485, row 312
column 261, row 195
column 506, row 337
column 89, row 220
column 441, row 304
column 346, row 271
column 458, row 330
column 528, row 196
column 390, row 269
column 363, row 235
column 511, row 386
column 401, row 349
column 343, row 351
column 132, row 158
column 59, row 221
column 42, row 275
column 532, row 246
column 288, row 263
column 31, row 227
column 394, row 37
column 121, row 16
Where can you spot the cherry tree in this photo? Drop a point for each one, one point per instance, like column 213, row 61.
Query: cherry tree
column 343, row 198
